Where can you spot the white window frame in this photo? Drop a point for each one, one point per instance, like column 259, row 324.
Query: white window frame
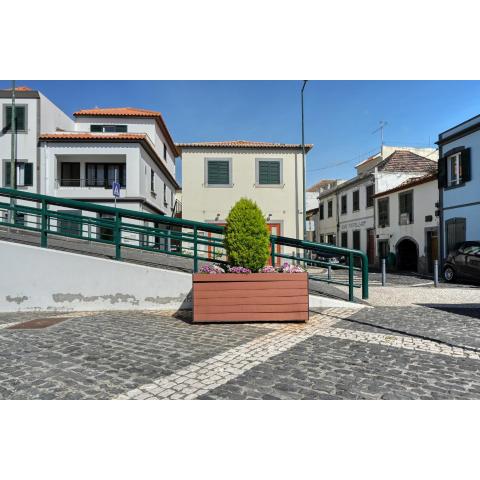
column 457, row 179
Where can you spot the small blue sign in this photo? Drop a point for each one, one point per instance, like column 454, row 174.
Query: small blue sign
column 116, row 189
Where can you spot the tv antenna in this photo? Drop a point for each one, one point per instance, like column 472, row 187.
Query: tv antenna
column 380, row 129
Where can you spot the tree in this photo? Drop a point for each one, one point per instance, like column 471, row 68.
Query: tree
column 247, row 240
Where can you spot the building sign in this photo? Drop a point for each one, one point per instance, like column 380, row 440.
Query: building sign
column 310, row 224
column 116, row 189
column 353, row 225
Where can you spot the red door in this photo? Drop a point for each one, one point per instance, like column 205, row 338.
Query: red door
column 275, row 229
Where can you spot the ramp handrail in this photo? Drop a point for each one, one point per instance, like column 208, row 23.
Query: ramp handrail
column 129, row 229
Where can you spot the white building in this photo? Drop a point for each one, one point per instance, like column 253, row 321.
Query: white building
column 81, row 159
column 217, row 174
column 407, row 224
column 347, row 212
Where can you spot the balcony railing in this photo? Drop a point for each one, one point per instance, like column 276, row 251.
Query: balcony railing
column 85, row 183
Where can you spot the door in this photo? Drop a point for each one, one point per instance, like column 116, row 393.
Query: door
column 371, row 245
column 275, row 229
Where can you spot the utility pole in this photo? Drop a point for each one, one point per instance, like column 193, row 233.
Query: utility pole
column 380, row 129
column 304, row 170
column 13, row 127
column 13, row 158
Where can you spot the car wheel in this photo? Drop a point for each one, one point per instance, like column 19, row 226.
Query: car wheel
column 449, row 274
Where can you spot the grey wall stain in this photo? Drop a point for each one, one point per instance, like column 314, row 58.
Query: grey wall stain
column 17, row 300
column 164, row 300
column 113, row 298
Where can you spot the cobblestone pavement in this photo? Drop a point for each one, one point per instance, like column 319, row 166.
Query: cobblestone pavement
column 341, row 353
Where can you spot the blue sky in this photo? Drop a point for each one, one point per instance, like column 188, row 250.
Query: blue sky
column 340, row 116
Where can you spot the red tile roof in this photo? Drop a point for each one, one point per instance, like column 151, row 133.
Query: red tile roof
column 118, row 112
column 411, row 182
column 92, row 136
column 406, row 161
column 20, row 89
column 141, row 138
column 133, row 113
column 242, row 144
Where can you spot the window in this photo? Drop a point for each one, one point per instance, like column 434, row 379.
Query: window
column 356, row 200
column 405, row 201
column 20, row 118
column 269, row 172
column 108, row 128
column 152, row 180
column 330, row 208
column 343, row 204
column 70, row 174
column 218, row 173
column 104, row 174
column 165, row 194
column 370, row 191
column 321, row 211
column 105, row 232
column 344, row 239
column 356, row 239
column 455, row 229
column 24, row 174
column 454, row 168
column 331, row 239
column 164, row 152
column 383, row 213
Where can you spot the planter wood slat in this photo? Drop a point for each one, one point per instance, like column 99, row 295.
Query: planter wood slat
column 250, row 297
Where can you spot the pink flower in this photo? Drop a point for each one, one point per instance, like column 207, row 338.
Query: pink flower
column 287, row 268
column 212, row 269
column 267, row 269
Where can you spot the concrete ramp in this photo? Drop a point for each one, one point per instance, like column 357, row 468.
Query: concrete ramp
column 34, row 278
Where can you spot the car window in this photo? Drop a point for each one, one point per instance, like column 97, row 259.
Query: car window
column 471, row 249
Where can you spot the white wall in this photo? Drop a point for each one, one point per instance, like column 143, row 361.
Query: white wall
column 134, row 125
column 51, row 117
column 71, row 282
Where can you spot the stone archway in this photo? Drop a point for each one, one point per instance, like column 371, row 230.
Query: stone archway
column 407, row 254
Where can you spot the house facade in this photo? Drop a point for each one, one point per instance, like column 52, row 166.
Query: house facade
column 80, row 159
column 407, row 224
column 217, row 174
column 459, row 184
column 347, row 212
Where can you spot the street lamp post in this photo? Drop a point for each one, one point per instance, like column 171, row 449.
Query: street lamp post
column 304, row 170
column 13, row 158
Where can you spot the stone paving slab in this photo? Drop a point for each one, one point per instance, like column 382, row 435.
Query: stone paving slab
column 102, row 355
column 454, row 325
column 333, row 368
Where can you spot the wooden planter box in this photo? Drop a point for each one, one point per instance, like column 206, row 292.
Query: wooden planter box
column 255, row 297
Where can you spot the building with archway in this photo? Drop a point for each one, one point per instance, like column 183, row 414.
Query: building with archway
column 407, row 224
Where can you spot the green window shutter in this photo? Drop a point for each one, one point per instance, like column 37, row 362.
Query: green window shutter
column 442, row 172
column 20, row 118
column 28, row 174
column 268, row 172
column 7, row 174
column 218, row 172
column 466, row 168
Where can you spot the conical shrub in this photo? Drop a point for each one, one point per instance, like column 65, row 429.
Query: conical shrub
column 247, row 240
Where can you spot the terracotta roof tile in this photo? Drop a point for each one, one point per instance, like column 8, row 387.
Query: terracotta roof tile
column 405, row 161
column 118, row 112
column 19, row 89
column 92, row 136
column 242, row 144
column 317, row 186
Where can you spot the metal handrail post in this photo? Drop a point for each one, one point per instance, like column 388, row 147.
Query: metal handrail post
column 364, row 277
column 195, row 250
column 350, row 277
column 118, row 236
column 272, row 244
column 44, row 226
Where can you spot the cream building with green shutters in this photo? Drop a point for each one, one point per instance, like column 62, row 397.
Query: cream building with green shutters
column 217, row 174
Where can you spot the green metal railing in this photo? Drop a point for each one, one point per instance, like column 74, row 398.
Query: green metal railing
column 130, row 230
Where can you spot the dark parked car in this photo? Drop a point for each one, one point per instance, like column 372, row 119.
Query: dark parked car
column 463, row 262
